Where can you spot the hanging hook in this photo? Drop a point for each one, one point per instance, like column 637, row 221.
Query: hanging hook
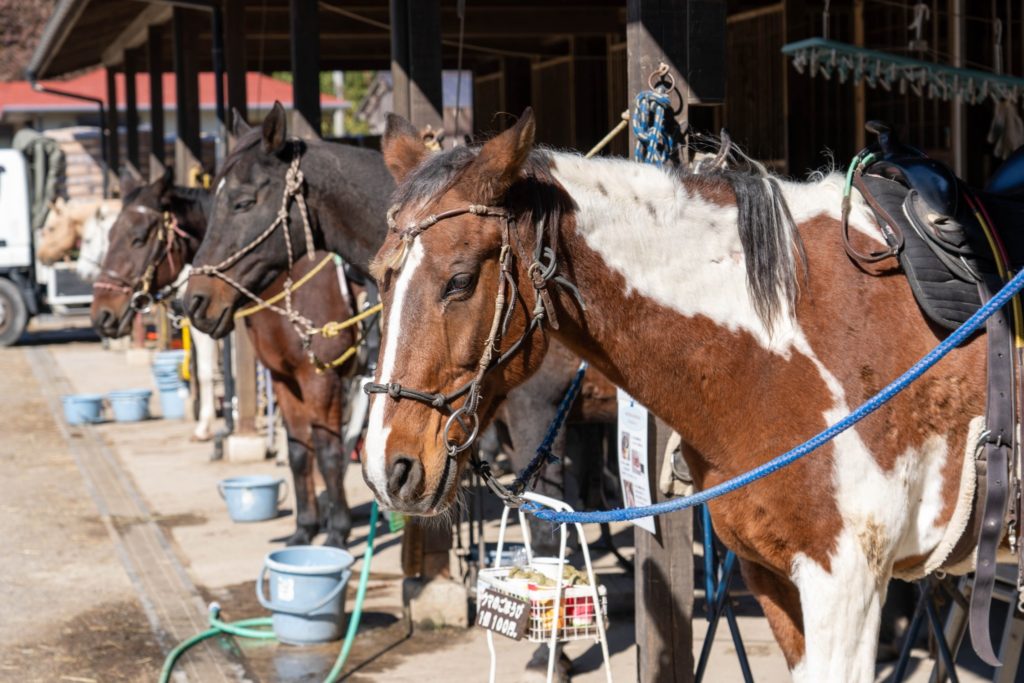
column 824, row 20
column 997, row 29
column 922, row 13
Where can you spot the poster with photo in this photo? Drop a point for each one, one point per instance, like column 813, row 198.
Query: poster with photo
column 633, row 466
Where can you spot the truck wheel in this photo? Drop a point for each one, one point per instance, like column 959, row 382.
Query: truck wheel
column 13, row 314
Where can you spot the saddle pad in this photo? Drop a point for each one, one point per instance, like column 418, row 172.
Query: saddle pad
column 946, row 299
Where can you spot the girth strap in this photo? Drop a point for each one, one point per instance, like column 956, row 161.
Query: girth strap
column 995, row 458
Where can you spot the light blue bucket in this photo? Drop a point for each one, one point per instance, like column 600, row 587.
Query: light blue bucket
column 307, row 592
column 172, row 403
column 130, row 405
column 82, row 408
column 253, row 498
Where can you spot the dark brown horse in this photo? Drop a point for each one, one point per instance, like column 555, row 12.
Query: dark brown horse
column 155, row 236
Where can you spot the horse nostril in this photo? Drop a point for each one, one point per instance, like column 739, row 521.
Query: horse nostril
column 195, row 305
column 404, row 477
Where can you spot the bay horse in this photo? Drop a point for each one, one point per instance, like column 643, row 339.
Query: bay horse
column 726, row 304
column 311, row 402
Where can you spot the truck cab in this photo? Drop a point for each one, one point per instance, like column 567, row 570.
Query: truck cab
column 28, row 288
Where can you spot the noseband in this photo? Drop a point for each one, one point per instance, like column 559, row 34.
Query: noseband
column 161, row 249
column 543, row 269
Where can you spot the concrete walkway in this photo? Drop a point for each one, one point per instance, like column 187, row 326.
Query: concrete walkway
column 166, row 486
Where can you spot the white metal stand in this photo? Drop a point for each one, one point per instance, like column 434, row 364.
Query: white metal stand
column 599, row 615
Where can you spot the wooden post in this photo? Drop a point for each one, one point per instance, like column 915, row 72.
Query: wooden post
column 187, row 151
column 305, row 53
column 155, row 57
column 234, row 56
column 132, row 59
column 688, row 36
column 416, row 75
column 110, row 126
column 664, row 583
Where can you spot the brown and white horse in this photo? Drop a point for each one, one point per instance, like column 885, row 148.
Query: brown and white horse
column 724, row 303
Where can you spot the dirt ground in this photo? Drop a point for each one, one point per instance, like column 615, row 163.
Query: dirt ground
column 98, row 597
column 69, row 610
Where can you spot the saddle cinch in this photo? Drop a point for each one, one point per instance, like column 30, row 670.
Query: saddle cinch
column 950, row 242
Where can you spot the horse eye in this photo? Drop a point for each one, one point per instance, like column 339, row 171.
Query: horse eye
column 459, row 284
column 244, row 204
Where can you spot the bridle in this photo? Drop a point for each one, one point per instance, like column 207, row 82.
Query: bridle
column 542, row 271
column 161, row 249
column 294, row 182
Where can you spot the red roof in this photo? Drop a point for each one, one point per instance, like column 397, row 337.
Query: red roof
column 262, row 91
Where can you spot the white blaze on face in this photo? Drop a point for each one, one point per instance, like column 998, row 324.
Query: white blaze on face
column 377, row 432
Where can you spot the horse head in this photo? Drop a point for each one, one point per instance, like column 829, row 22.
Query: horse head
column 150, row 242
column 464, row 297
column 258, row 213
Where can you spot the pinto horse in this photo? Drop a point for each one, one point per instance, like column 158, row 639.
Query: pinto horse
column 724, row 303
column 311, row 402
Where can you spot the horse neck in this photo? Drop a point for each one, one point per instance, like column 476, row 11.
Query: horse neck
column 668, row 317
column 349, row 191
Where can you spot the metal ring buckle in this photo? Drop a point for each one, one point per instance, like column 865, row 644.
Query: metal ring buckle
column 452, row 447
column 141, row 302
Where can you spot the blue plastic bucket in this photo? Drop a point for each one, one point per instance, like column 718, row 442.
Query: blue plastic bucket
column 130, row 405
column 172, row 400
column 307, row 592
column 253, row 498
column 82, row 408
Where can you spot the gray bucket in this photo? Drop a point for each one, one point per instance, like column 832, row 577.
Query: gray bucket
column 307, row 592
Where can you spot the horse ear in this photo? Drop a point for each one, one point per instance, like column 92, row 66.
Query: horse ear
column 275, row 130
column 402, row 147
column 501, row 159
column 239, row 126
column 130, row 179
column 301, row 128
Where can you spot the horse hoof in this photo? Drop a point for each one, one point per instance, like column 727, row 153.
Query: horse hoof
column 300, row 537
column 336, row 540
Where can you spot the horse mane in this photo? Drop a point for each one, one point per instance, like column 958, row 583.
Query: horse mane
column 773, row 251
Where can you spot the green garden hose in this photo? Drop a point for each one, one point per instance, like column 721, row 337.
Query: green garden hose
column 247, row 628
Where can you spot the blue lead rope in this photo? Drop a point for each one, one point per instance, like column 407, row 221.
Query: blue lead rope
column 543, row 455
column 881, row 398
column 654, row 144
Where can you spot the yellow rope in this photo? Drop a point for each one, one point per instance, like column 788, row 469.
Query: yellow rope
column 334, row 329
column 340, row 360
column 246, row 312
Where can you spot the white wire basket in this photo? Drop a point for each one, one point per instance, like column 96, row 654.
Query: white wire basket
column 577, row 616
column 558, row 613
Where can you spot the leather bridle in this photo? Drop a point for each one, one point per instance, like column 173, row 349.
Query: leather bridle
column 161, row 248
column 543, row 269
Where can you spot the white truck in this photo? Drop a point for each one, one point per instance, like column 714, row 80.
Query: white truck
column 27, row 287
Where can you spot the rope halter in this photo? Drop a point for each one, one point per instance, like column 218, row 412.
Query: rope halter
column 161, row 249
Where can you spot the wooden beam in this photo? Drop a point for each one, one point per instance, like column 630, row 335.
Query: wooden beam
column 155, row 59
column 234, row 56
column 187, row 151
column 132, row 62
column 305, row 50
column 110, row 127
column 136, row 33
column 400, row 58
column 426, row 105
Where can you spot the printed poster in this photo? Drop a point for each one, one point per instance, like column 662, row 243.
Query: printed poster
column 632, row 447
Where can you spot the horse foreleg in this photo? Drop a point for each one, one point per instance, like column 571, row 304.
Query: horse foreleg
column 841, row 607
column 333, row 462
column 780, row 602
column 300, row 461
column 205, row 348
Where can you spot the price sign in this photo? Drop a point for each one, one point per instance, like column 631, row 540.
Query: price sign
column 502, row 614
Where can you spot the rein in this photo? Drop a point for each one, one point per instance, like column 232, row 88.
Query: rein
column 163, row 248
column 294, row 181
column 542, row 270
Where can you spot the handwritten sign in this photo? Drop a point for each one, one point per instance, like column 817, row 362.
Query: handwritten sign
column 501, row 613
